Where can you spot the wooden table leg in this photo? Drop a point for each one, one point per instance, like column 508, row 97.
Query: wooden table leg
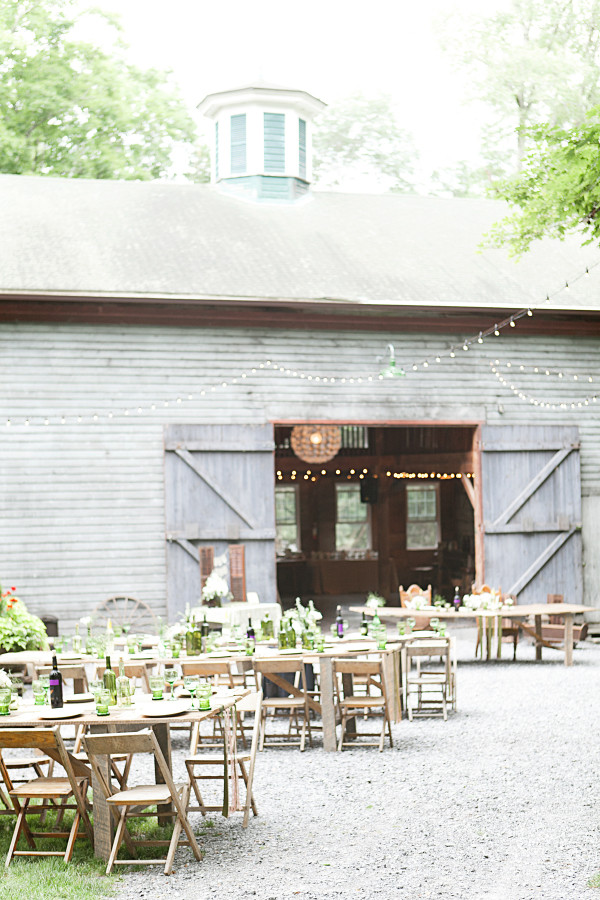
column 392, row 676
column 104, row 829
column 569, row 639
column 538, row 631
column 348, row 688
column 327, row 704
column 163, row 736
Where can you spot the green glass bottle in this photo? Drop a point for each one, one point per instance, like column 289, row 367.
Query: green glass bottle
column 109, row 680
column 282, row 636
column 364, row 626
column 291, row 635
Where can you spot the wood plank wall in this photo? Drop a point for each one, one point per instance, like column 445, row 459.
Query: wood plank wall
column 82, row 513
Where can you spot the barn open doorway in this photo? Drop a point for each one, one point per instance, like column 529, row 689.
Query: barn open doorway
column 396, row 504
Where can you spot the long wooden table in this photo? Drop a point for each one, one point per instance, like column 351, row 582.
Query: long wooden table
column 325, row 707
column 519, row 612
column 29, row 716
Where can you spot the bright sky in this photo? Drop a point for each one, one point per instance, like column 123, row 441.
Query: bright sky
column 327, row 47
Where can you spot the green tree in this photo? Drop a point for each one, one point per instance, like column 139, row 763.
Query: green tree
column 534, row 62
column 68, row 108
column 359, row 137
column 558, row 189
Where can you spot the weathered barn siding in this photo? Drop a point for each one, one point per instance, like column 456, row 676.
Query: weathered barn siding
column 83, row 503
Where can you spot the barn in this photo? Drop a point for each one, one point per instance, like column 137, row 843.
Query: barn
column 345, row 385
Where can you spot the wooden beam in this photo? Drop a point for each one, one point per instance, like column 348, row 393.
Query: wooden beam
column 541, row 561
column 218, row 489
column 532, row 487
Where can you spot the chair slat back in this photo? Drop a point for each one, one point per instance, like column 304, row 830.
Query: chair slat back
column 65, row 671
column 555, row 598
column 113, row 744
column 278, row 665
column 45, row 739
column 357, row 666
column 206, row 669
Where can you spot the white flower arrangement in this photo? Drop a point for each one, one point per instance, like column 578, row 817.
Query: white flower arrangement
column 5, row 679
column 304, row 618
column 491, row 600
column 374, row 600
column 418, row 602
column 215, row 588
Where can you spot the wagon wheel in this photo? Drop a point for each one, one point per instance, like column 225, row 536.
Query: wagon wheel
column 126, row 612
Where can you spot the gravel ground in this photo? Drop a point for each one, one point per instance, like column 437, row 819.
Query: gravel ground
column 500, row 802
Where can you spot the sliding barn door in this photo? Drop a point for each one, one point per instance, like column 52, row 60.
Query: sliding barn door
column 219, row 491
column 531, row 494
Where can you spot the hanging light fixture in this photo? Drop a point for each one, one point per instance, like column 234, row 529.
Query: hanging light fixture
column 392, row 370
column 316, row 443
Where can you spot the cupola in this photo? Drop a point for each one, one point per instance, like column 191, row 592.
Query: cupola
column 262, row 141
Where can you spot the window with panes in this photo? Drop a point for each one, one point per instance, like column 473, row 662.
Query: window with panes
column 352, row 531
column 422, row 516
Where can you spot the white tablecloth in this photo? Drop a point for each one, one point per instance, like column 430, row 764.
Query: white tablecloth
column 239, row 613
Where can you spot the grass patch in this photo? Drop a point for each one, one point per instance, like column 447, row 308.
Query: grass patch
column 39, row 878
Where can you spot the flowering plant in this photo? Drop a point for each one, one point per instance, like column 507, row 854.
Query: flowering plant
column 215, row 590
column 374, row 600
column 5, row 681
column 491, row 600
column 304, row 618
column 19, row 630
column 418, row 602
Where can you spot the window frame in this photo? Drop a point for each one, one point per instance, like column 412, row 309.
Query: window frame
column 435, row 490
column 288, row 489
column 354, row 487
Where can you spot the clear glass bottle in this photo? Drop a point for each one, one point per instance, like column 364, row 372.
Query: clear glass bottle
column 110, row 638
column 124, row 686
column 76, row 640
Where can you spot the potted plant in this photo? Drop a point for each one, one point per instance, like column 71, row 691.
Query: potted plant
column 215, row 590
column 19, row 630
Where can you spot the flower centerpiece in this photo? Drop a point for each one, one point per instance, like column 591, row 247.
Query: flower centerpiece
column 375, row 600
column 215, row 590
column 19, row 630
column 305, row 619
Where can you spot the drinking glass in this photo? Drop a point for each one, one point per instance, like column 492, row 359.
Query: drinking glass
column 96, row 686
column 102, row 699
column 45, row 681
column 320, row 643
column 190, row 683
column 171, row 678
column 411, row 622
column 125, row 627
column 175, row 649
column 14, row 697
column 401, row 626
column 59, row 643
column 434, row 622
column 381, row 637
column 131, row 643
column 39, row 694
column 442, row 629
column 156, row 686
column 204, row 694
column 5, row 697
column 249, row 646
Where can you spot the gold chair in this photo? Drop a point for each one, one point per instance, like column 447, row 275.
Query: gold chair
column 370, row 704
column 71, row 787
column 128, row 803
column 252, row 703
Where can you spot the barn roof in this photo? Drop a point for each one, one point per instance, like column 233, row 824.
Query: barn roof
column 168, row 240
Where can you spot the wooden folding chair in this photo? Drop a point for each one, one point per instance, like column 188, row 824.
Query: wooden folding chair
column 296, row 700
column 139, row 671
column 220, row 673
column 370, row 704
column 76, row 674
column 434, row 688
column 129, row 803
column 71, row 787
column 252, row 703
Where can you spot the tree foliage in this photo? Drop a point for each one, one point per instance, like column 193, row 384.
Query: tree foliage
column 359, row 138
column 68, row 108
column 537, row 61
column 558, row 189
